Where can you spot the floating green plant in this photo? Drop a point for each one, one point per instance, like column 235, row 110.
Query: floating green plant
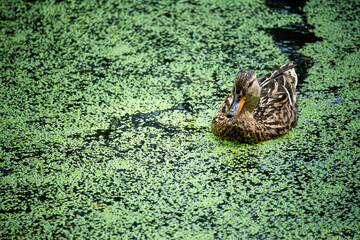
column 106, row 112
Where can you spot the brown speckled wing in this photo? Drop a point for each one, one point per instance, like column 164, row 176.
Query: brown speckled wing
column 278, row 102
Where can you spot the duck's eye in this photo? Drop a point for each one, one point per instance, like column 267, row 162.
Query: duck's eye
column 250, row 84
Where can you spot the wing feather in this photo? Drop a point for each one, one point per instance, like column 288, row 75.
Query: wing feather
column 277, row 95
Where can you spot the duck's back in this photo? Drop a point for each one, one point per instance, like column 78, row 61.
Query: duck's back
column 277, row 107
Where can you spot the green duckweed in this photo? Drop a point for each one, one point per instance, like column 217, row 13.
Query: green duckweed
column 106, row 112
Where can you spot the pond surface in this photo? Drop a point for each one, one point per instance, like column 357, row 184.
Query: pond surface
column 106, row 113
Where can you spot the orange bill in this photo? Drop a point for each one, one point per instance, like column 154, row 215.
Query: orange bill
column 236, row 106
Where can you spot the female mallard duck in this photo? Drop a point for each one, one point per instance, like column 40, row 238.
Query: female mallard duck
column 259, row 109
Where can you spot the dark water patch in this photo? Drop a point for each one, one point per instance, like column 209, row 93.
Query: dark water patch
column 139, row 120
column 291, row 38
column 286, row 7
column 84, row 71
column 4, row 172
column 130, row 122
column 134, row 123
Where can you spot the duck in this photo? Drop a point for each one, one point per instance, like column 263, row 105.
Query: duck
column 259, row 109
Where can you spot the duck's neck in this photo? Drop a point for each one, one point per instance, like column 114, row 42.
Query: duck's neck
column 248, row 110
column 247, row 115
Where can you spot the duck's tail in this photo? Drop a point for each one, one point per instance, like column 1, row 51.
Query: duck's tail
column 288, row 70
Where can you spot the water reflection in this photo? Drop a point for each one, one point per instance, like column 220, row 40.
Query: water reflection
column 291, row 38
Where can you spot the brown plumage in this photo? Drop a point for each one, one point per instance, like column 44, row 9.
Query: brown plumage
column 259, row 109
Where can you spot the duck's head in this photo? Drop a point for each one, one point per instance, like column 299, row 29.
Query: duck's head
column 245, row 94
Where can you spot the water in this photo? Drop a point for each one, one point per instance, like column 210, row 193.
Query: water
column 292, row 38
column 106, row 123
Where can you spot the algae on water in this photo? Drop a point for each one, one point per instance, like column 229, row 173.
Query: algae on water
column 106, row 112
